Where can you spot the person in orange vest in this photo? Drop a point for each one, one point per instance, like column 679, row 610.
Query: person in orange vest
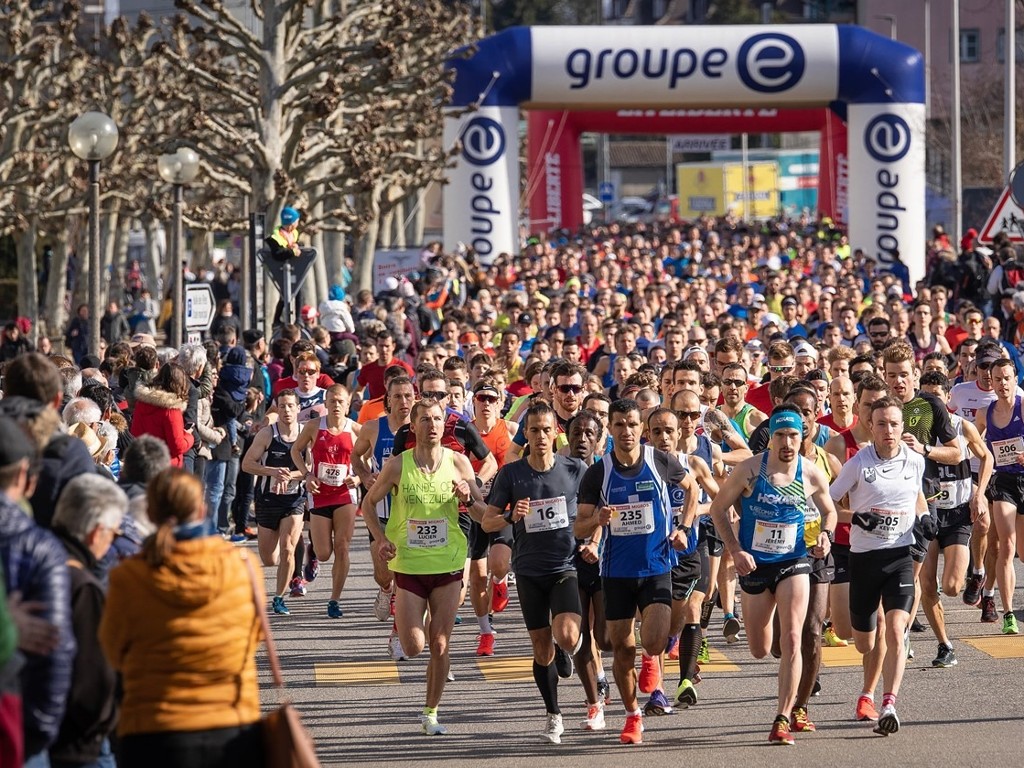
column 284, row 242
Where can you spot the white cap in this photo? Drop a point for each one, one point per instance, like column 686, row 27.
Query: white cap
column 803, row 349
column 771, row 319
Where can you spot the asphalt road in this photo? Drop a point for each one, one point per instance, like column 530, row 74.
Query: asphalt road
column 363, row 709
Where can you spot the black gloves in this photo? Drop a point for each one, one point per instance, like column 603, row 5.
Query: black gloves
column 866, row 520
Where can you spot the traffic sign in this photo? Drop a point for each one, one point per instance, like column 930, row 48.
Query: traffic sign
column 1017, row 184
column 606, row 192
column 1007, row 217
column 199, row 307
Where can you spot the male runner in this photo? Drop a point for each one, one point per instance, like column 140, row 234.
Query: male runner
column 424, row 544
column 627, row 493
column 280, row 498
column 772, row 491
column 882, row 484
column 372, row 449
column 537, row 497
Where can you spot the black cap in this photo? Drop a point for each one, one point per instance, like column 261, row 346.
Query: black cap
column 989, row 353
column 14, row 443
column 526, row 319
column 251, row 336
column 90, row 361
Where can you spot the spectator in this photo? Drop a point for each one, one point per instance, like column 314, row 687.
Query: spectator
column 89, row 513
column 181, row 627
column 76, row 338
column 13, row 342
column 160, row 411
column 145, row 312
column 34, row 564
column 114, row 325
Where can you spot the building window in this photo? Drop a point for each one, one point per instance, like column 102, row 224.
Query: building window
column 1001, row 46
column 970, row 45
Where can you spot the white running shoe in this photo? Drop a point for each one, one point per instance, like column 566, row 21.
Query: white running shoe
column 553, row 730
column 431, row 727
column 395, row 648
column 382, row 605
column 888, row 721
column 595, row 718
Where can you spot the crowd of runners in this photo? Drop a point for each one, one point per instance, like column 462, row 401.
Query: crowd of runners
column 630, row 429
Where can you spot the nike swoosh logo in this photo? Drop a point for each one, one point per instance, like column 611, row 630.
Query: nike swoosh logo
column 905, row 585
column 908, row 477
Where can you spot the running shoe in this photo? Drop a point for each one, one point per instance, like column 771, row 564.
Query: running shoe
column 816, row 689
column 972, row 590
column 731, row 629
column 499, row 597
column 945, row 658
column 458, row 620
column 658, row 704
column 298, row 587
column 686, row 694
column 485, row 645
column 865, row 709
column 780, row 732
column 553, row 730
column 704, row 655
column 595, row 718
column 832, row 640
column 1010, row 624
column 801, row 722
column 672, row 651
column 649, row 674
column 238, row 538
column 311, row 569
column 395, row 648
column 563, row 663
column 382, row 605
column 917, row 626
column 450, row 677
column 906, row 643
column 279, row 607
column 988, row 610
column 431, row 727
column 604, row 691
column 334, row 610
column 888, row 722
column 633, row 730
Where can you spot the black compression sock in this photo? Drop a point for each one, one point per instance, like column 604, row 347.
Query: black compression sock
column 547, row 683
column 689, row 647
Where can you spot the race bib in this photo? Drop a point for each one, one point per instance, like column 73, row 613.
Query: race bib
column 427, row 534
column 332, row 474
column 891, row 525
column 1006, row 451
column 632, row 519
column 774, row 538
column 546, row 515
column 947, row 496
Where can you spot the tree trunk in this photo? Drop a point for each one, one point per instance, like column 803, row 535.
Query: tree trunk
column 363, row 278
column 56, row 285
column 108, row 236
column 153, row 263
column 399, row 224
column 418, row 221
column 120, row 258
column 386, row 226
column 80, row 249
column 28, row 284
column 334, row 257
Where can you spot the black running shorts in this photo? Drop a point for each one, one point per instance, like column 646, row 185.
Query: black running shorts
column 271, row 517
column 884, row 576
column 685, row 576
column 1008, row 487
column 623, row 597
column 589, row 574
column 541, row 597
column 955, row 526
column 770, row 575
column 823, row 569
column 841, row 558
column 707, row 537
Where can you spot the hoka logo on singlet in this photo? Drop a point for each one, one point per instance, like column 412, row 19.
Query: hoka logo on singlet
column 775, row 499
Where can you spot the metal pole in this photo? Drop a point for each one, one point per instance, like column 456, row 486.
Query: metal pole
column 1009, row 88
column 178, row 320
column 245, row 308
column 955, row 117
column 928, row 59
column 744, row 189
column 286, row 294
column 95, row 310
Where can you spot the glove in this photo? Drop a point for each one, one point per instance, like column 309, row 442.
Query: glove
column 866, row 520
column 926, row 527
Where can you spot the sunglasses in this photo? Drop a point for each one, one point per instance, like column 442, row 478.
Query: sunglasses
column 434, row 395
column 307, row 372
column 780, row 368
column 984, row 366
column 691, row 415
column 486, row 399
column 733, row 382
column 569, row 389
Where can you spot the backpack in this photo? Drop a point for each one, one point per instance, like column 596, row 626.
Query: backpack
column 1013, row 273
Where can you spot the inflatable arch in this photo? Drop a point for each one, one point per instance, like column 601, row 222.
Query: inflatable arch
column 874, row 84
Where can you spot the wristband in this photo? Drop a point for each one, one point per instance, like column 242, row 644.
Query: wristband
column 507, row 514
column 686, row 529
column 830, row 535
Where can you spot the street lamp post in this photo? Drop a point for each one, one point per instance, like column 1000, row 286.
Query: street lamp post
column 93, row 137
column 178, row 169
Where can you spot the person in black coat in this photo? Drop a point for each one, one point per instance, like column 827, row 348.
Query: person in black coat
column 89, row 512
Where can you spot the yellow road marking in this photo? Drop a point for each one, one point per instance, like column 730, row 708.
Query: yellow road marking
column 840, row 657
column 357, row 673
column 719, row 663
column 999, row 646
column 507, row 669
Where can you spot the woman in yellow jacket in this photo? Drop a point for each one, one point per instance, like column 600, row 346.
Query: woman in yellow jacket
column 181, row 627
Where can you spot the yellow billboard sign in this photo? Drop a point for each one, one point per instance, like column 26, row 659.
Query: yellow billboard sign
column 762, row 189
column 701, row 190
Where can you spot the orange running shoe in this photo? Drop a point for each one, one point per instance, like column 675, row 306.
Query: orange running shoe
column 780, row 732
column 801, row 722
column 499, row 596
column 866, row 709
column 650, row 675
column 485, row 645
column 633, row 731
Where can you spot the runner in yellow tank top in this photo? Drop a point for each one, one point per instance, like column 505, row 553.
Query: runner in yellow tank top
column 423, row 543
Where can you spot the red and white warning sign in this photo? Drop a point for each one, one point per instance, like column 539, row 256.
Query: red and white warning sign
column 1007, row 217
